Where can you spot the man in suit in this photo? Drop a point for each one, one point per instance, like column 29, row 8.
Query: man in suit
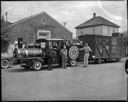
column 50, row 56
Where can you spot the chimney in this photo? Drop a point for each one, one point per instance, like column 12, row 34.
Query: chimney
column 94, row 15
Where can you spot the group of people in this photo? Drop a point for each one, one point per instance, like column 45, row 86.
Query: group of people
column 63, row 52
column 50, row 53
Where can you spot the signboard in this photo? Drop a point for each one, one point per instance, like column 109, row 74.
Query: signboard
column 73, row 52
column 43, row 34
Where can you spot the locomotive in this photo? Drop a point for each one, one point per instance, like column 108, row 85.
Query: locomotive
column 34, row 55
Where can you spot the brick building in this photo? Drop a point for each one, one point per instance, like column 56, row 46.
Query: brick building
column 97, row 26
column 38, row 26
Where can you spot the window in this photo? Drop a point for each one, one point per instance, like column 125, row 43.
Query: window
column 43, row 45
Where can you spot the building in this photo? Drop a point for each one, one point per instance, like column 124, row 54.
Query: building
column 97, row 26
column 36, row 27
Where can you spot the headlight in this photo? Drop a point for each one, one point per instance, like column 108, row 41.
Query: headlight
column 93, row 56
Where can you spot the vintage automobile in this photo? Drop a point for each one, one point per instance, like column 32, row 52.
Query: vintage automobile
column 5, row 61
column 34, row 55
column 126, row 66
column 7, row 58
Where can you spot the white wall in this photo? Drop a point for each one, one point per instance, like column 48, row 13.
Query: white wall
column 107, row 31
column 97, row 30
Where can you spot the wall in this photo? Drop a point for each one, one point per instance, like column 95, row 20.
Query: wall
column 107, row 31
column 28, row 29
column 97, row 30
column 22, row 31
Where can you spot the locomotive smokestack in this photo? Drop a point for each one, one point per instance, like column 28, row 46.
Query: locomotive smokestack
column 94, row 15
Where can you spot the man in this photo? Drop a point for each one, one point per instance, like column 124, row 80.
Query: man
column 86, row 49
column 50, row 56
column 64, row 56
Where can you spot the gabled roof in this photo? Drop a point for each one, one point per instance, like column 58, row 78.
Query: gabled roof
column 51, row 23
column 96, row 21
column 5, row 24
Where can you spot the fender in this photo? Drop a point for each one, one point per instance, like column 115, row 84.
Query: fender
column 39, row 59
column 126, row 66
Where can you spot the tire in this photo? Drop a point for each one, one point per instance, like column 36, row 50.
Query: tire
column 5, row 64
column 98, row 61
column 73, row 63
column 126, row 66
column 37, row 65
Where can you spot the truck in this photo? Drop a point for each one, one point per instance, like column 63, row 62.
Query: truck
column 104, row 48
column 34, row 56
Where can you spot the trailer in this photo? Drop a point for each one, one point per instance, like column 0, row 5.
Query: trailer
column 105, row 48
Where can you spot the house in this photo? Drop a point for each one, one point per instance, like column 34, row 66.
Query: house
column 97, row 26
column 37, row 26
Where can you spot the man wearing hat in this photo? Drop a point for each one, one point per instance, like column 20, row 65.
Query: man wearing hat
column 50, row 53
column 86, row 49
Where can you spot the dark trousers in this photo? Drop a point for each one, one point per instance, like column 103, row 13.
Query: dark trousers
column 64, row 61
column 50, row 61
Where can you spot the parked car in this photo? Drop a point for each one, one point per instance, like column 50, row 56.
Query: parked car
column 126, row 66
column 5, row 60
column 34, row 55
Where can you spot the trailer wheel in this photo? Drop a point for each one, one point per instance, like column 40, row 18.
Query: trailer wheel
column 98, row 61
column 37, row 65
column 73, row 63
column 5, row 64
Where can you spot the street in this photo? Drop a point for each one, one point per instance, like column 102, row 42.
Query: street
column 106, row 81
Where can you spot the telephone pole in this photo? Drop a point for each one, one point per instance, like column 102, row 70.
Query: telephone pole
column 65, row 24
column 6, row 16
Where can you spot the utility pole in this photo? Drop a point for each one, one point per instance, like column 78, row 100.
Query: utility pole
column 6, row 15
column 65, row 24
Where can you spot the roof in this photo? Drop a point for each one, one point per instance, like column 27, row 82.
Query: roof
column 41, row 14
column 96, row 21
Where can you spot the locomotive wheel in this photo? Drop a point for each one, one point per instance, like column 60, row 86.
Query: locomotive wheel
column 37, row 65
column 73, row 63
column 5, row 64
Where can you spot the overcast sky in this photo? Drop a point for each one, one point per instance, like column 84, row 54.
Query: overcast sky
column 72, row 12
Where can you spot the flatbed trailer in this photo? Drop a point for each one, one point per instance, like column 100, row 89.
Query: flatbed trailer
column 105, row 48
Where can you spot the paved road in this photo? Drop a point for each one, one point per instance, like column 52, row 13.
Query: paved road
column 97, row 82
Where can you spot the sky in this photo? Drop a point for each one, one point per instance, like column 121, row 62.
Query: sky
column 72, row 12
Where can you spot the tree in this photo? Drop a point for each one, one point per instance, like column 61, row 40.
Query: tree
column 4, row 34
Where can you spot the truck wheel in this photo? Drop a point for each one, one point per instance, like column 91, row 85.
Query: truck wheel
column 5, row 64
column 37, row 65
column 99, row 61
column 73, row 63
